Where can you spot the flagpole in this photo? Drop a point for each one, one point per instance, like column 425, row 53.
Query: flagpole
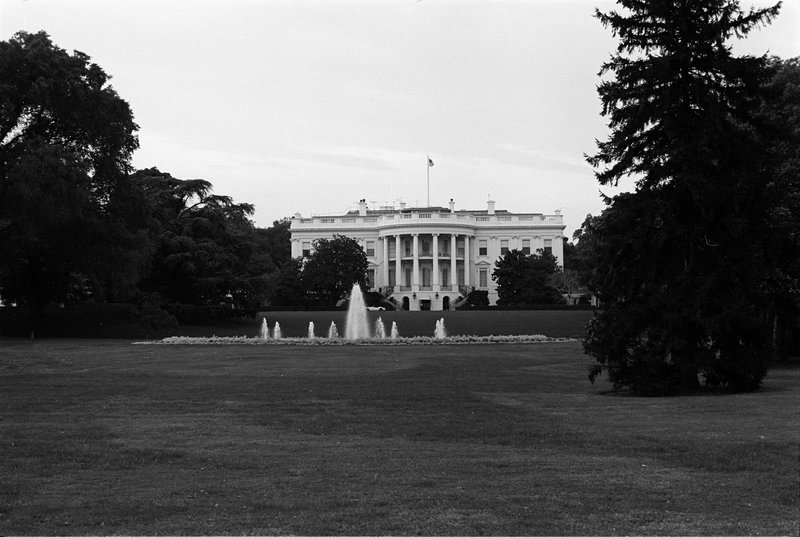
column 428, row 167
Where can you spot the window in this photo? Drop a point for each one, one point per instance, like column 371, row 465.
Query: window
column 408, row 277
column 426, row 247
column 371, row 278
column 392, row 277
column 407, row 246
column 503, row 246
column 460, row 248
column 483, row 278
column 461, row 276
column 526, row 246
column 370, row 248
column 426, row 277
column 482, row 248
column 306, row 249
column 548, row 246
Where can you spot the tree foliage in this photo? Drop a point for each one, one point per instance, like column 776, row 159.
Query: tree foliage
column 526, row 279
column 678, row 260
column 780, row 112
column 205, row 248
column 332, row 269
column 76, row 223
column 285, row 285
column 66, row 137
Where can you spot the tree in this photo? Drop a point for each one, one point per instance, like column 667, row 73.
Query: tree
column 66, row 139
column 205, row 245
column 679, row 257
column 273, row 244
column 579, row 261
column 332, row 269
column 780, row 111
column 286, row 285
column 526, row 279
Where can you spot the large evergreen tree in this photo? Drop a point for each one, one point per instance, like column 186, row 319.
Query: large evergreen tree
column 680, row 259
column 781, row 113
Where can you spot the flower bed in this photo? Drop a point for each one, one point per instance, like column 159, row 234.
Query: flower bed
column 416, row 340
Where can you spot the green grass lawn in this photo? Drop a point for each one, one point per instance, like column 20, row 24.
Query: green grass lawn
column 117, row 321
column 105, row 437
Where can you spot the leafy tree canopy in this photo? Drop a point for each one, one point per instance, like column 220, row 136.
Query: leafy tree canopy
column 332, row 269
column 206, row 252
column 66, row 139
column 526, row 279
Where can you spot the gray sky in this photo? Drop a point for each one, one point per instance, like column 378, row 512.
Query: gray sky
column 309, row 106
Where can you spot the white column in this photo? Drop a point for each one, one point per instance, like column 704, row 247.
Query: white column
column 453, row 263
column 415, row 269
column 435, row 261
column 385, row 261
column 398, row 264
column 297, row 249
column 558, row 249
column 466, row 260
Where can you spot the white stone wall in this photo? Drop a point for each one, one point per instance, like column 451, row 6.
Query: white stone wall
column 472, row 226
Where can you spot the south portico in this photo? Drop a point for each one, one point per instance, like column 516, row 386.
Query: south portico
column 425, row 269
column 424, row 258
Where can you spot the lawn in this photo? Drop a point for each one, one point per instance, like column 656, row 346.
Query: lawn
column 117, row 321
column 105, row 437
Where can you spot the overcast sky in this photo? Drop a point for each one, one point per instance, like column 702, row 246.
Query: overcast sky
column 309, row 106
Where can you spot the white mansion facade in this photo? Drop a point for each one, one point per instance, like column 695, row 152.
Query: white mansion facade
column 430, row 258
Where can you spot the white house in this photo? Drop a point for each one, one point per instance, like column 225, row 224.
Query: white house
column 429, row 258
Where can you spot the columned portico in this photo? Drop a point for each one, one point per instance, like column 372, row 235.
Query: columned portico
column 436, row 262
column 419, row 271
column 453, row 262
column 385, row 271
column 398, row 265
column 466, row 260
column 415, row 266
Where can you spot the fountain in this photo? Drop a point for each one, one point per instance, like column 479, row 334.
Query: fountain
column 380, row 329
column 264, row 332
column 439, row 331
column 333, row 332
column 356, row 325
column 357, row 331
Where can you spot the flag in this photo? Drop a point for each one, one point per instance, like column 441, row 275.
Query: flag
column 430, row 163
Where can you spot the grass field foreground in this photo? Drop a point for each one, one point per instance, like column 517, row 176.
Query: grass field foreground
column 105, row 437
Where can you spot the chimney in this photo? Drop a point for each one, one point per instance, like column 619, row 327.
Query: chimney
column 362, row 207
column 402, row 206
column 452, row 206
column 490, row 204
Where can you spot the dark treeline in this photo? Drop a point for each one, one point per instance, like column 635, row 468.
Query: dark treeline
column 77, row 223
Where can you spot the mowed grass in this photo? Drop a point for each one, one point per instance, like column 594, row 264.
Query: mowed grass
column 105, row 437
column 552, row 323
